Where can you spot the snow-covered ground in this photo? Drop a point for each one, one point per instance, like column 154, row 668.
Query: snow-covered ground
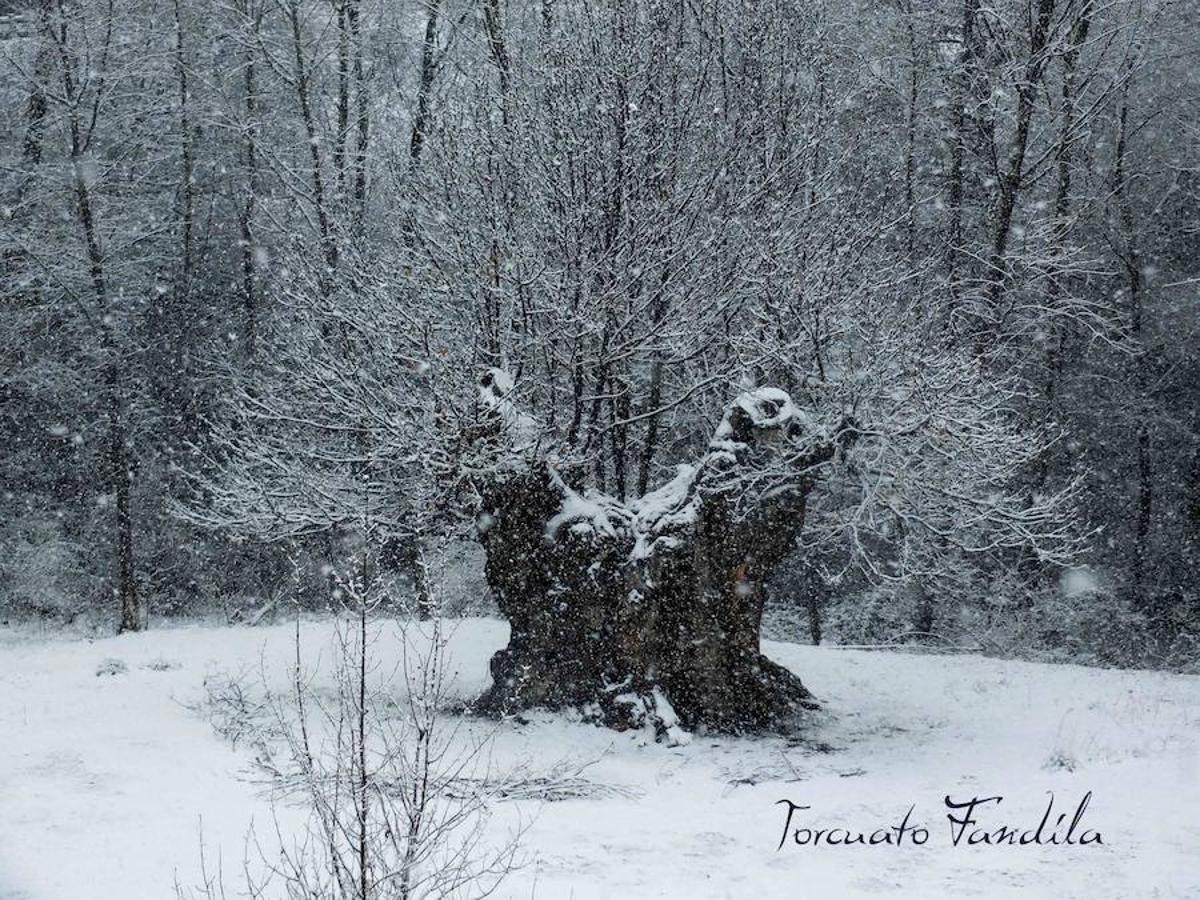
column 105, row 778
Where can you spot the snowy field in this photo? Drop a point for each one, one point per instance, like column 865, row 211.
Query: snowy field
column 107, row 770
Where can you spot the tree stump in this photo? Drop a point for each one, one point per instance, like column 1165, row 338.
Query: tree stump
column 649, row 611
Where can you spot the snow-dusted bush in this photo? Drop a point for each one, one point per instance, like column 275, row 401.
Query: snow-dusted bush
column 395, row 794
column 42, row 571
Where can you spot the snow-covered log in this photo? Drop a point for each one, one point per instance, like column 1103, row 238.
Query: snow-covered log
column 649, row 611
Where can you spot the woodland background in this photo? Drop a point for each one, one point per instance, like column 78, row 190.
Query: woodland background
column 255, row 255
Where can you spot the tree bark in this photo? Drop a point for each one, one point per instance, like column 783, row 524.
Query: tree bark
column 649, row 611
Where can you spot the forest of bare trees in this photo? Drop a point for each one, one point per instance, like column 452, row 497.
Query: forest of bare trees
column 257, row 255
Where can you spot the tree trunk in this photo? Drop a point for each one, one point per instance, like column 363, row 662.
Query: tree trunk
column 429, row 64
column 116, row 454
column 1064, row 160
column 649, row 611
column 247, row 212
column 812, row 588
column 1131, row 257
column 133, row 613
column 1011, row 178
column 958, row 149
column 303, row 85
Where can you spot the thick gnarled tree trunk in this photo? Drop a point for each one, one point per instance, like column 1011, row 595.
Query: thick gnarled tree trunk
column 649, row 611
